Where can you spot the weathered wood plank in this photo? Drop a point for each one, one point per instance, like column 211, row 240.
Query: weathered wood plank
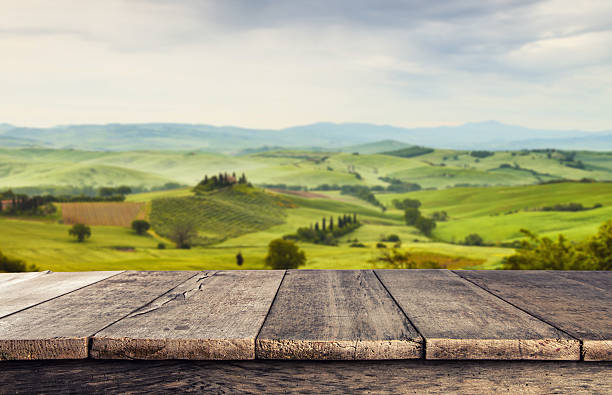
column 8, row 278
column 311, row 377
column 214, row 315
column 582, row 310
column 60, row 328
column 29, row 289
column 460, row 320
column 335, row 315
column 599, row 279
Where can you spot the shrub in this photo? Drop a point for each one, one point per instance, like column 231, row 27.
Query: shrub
column 543, row 253
column 392, row 238
column 381, row 245
column 473, row 239
column 140, row 226
column 11, row 265
column 440, row 216
column 80, row 231
column 284, row 254
column 161, row 246
column 358, row 245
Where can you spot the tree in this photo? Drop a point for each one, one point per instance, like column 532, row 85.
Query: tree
column 600, row 247
column 80, row 231
column 140, row 226
column 284, row 254
column 182, row 234
column 239, row 259
column 473, row 239
column 411, row 215
column 425, row 225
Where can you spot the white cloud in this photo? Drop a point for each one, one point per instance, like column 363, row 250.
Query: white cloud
column 543, row 65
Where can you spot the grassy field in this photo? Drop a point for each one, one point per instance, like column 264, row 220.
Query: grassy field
column 498, row 213
column 233, row 221
column 49, row 247
column 438, row 169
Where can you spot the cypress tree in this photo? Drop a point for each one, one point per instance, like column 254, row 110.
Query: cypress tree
column 331, row 223
column 354, row 218
column 317, row 226
column 323, row 224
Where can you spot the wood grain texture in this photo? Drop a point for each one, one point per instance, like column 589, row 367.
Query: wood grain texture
column 214, row 315
column 12, row 278
column 581, row 310
column 29, row 289
column 306, row 377
column 462, row 321
column 335, row 315
column 599, row 279
column 60, row 328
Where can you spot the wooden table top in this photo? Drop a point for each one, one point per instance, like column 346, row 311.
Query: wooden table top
column 307, row 315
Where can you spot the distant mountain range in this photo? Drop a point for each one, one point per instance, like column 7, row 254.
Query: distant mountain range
column 367, row 138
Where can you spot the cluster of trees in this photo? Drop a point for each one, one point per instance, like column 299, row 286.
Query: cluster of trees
column 570, row 207
column 406, row 203
column 15, row 204
column 328, row 232
column 409, row 152
column 568, row 158
column 363, row 193
column 284, row 187
column 397, row 185
column 112, row 191
column 543, row 253
column 222, row 180
column 68, row 191
column 481, row 154
column 413, row 217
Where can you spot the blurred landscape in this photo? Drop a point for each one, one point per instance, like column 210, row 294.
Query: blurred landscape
column 472, row 203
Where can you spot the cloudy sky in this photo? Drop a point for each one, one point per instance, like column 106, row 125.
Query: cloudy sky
column 271, row 64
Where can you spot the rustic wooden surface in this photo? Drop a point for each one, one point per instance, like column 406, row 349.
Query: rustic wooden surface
column 19, row 291
column 336, row 314
column 599, row 279
column 460, row 320
column 60, row 328
column 312, row 315
column 214, row 315
column 313, row 377
column 579, row 309
column 11, row 278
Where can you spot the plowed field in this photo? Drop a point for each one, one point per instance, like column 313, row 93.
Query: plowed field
column 110, row 214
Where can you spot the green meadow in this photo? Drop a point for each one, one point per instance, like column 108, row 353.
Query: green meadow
column 506, row 192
